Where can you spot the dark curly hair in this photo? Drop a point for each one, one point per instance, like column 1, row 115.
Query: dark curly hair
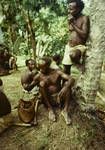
column 47, row 60
column 79, row 3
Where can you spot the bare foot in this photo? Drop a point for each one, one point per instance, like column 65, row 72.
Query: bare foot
column 34, row 122
column 66, row 117
column 52, row 116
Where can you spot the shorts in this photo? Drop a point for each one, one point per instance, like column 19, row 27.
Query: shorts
column 69, row 50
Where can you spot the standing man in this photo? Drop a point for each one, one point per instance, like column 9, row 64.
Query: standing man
column 79, row 30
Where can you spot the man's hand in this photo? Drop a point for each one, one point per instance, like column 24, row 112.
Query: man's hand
column 62, row 93
column 71, row 19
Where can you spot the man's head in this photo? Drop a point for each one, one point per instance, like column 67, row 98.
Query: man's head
column 30, row 63
column 57, row 59
column 44, row 64
column 75, row 7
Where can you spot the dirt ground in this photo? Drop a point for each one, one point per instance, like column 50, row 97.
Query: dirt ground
column 83, row 134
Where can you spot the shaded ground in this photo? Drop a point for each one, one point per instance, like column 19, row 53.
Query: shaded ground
column 83, row 134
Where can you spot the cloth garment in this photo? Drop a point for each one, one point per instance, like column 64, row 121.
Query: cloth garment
column 69, row 50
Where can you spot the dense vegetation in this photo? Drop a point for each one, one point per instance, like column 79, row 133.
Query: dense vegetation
column 38, row 27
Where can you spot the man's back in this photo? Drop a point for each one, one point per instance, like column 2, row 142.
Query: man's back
column 5, row 106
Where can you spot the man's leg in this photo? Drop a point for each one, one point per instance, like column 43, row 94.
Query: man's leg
column 76, row 57
column 46, row 98
column 65, row 111
column 67, row 97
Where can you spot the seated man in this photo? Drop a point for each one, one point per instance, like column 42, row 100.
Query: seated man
column 52, row 90
column 12, row 63
column 6, row 58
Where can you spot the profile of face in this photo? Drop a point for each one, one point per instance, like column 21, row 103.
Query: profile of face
column 31, row 65
column 73, row 8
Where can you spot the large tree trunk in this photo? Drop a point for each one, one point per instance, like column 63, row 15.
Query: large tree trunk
column 89, row 83
column 92, row 126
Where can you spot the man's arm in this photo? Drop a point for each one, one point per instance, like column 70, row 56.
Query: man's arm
column 29, row 86
column 70, row 80
column 83, row 32
column 63, row 75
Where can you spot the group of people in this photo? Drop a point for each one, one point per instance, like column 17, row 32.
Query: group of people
column 55, row 84
column 7, row 61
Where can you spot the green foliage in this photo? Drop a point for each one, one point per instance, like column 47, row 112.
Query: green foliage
column 49, row 24
column 51, row 30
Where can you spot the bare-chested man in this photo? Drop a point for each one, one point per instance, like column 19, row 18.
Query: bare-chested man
column 79, row 31
column 52, row 90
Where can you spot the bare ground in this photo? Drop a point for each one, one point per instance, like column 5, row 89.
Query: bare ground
column 84, row 133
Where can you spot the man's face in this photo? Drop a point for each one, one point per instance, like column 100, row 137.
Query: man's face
column 73, row 9
column 31, row 65
column 43, row 67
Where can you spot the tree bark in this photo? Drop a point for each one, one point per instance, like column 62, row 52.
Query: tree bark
column 31, row 33
column 88, row 83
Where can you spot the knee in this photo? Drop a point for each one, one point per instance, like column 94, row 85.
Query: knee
column 71, row 82
column 73, row 56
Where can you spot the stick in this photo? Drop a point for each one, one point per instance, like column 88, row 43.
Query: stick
column 22, row 124
column 36, row 106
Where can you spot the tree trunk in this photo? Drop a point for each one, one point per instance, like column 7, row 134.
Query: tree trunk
column 91, row 126
column 30, row 31
column 88, row 83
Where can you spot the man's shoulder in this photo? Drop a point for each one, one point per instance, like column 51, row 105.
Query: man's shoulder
column 85, row 17
column 26, row 73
